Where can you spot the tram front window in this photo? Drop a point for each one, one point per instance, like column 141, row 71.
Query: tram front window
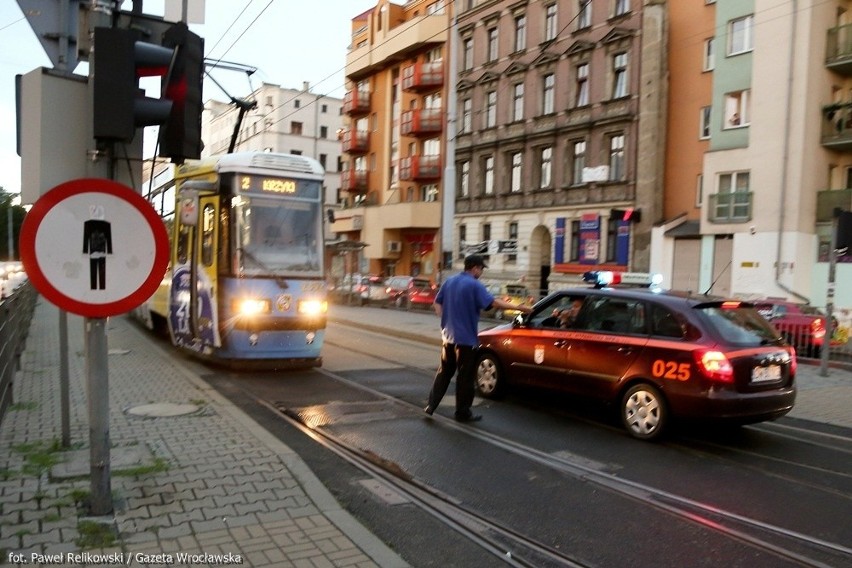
column 278, row 237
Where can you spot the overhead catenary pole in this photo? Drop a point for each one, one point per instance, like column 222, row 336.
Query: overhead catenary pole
column 829, row 296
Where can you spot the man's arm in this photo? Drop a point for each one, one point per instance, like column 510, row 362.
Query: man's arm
column 504, row 305
column 438, row 308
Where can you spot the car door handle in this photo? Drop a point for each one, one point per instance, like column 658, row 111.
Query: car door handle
column 623, row 349
column 562, row 343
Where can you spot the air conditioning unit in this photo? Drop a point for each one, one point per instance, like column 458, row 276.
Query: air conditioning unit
column 394, row 246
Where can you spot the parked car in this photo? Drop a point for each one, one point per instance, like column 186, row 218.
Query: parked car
column 517, row 294
column 802, row 325
column 361, row 289
column 655, row 355
column 409, row 291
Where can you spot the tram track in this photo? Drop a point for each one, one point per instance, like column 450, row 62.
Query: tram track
column 792, row 546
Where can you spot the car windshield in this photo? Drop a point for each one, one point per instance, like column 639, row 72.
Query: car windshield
column 516, row 291
column 739, row 325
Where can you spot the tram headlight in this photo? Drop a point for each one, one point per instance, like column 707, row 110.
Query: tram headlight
column 252, row 306
column 312, row 307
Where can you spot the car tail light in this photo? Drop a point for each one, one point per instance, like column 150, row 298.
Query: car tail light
column 715, row 366
column 818, row 328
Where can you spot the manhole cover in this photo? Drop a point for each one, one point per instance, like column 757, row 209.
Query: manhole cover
column 163, row 410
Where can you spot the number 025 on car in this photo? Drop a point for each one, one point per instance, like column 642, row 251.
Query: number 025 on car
column 766, row 374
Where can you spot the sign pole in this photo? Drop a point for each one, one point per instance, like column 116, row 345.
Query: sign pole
column 97, row 375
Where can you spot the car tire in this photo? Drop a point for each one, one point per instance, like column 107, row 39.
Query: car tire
column 489, row 377
column 643, row 412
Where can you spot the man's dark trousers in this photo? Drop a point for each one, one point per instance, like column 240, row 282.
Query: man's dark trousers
column 461, row 358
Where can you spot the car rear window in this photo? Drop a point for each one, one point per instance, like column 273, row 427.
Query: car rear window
column 516, row 291
column 422, row 284
column 738, row 324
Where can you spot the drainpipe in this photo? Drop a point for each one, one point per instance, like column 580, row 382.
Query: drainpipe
column 787, row 121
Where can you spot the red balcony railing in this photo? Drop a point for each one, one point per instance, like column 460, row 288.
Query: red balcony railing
column 354, row 181
column 422, row 122
column 356, row 102
column 355, row 141
column 420, row 168
column 423, row 76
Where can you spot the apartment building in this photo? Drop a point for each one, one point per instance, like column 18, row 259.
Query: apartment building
column 764, row 98
column 560, row 136
column 394, row 140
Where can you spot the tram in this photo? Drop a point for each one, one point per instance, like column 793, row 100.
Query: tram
column 246, row 278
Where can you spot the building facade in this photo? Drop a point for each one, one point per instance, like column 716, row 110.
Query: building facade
column 560, row 136
column 395, row 140
column 763, row 101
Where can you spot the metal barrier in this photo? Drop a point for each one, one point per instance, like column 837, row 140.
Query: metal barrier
column 16, row 313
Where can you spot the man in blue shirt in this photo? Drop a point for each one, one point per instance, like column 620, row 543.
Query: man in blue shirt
column 458, row 303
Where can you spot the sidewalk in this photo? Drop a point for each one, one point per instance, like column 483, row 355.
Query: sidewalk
column 191, row 474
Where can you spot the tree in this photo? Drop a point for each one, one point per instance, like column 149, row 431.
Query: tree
column 17, row 218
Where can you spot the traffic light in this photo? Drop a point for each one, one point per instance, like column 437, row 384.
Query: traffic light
column 180, row 136
column 119, row 105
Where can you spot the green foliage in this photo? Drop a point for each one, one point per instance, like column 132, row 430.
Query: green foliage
column 18, row 214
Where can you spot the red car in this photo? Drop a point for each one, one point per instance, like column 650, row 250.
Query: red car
column 802, row 326
column 408, row 292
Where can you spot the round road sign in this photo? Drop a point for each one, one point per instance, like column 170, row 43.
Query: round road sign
column 94, row 247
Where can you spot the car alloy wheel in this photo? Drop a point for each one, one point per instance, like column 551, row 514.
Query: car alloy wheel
column 489, row 381
column 643, row 412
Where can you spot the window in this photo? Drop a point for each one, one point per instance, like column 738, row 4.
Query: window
column 323, row 159
column 492, row 44
column 550, row 22
column 429, row 193
column 323, row 131
column 488, row 178
column 208, row 226
column 467, row 54
column 515, row 185
column 518, row 102
column 584, row 14
column 622, row 7
column 582, row 84
column 520, row 32
column 297, row 103
column 699, row 190
column 546, row 170
column 547, row 102
column 486, row 236
column 513, row 236
column 295, row 127
column 733, row 201
column 705, row 123
column 466, row 116
column 491, row 109
column 619, row 75
column 737, row 109
column 611, row 236
column 578, row 162
column 740, row 38
column 574, row 252
column 464, row 179
column 323, row 108
column 616, row 157
column 709, row 54
column 462, row 239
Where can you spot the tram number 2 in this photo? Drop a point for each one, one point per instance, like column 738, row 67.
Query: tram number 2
column 671, row 370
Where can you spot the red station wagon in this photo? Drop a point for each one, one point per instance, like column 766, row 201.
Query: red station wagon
column 655, row 354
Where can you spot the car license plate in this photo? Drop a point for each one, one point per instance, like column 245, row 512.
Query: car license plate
column 766, row 374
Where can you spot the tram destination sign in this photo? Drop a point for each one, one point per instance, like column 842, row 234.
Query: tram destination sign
column 288, row 187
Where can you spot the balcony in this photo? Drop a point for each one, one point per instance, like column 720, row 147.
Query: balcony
column 838, row 50
column 354, row 181
column 398, row 43
column 356, row 103
column 420, row 168
column 837, row 127
column 422, row 122
column 734, row 207
column 829, row 200
column 423, row 76
column 355, row 141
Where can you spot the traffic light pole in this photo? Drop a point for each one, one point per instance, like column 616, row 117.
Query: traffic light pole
column 829, row 297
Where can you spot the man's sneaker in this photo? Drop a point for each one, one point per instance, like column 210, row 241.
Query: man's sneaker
column 429, row 410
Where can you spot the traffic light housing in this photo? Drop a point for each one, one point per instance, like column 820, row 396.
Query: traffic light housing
column 844, row 232
column 120, row 107
column 180, row 135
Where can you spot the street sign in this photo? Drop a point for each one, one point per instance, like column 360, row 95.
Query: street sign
column 56, row 24
column 94, row 247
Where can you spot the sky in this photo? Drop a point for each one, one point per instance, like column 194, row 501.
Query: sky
column 288, row 41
